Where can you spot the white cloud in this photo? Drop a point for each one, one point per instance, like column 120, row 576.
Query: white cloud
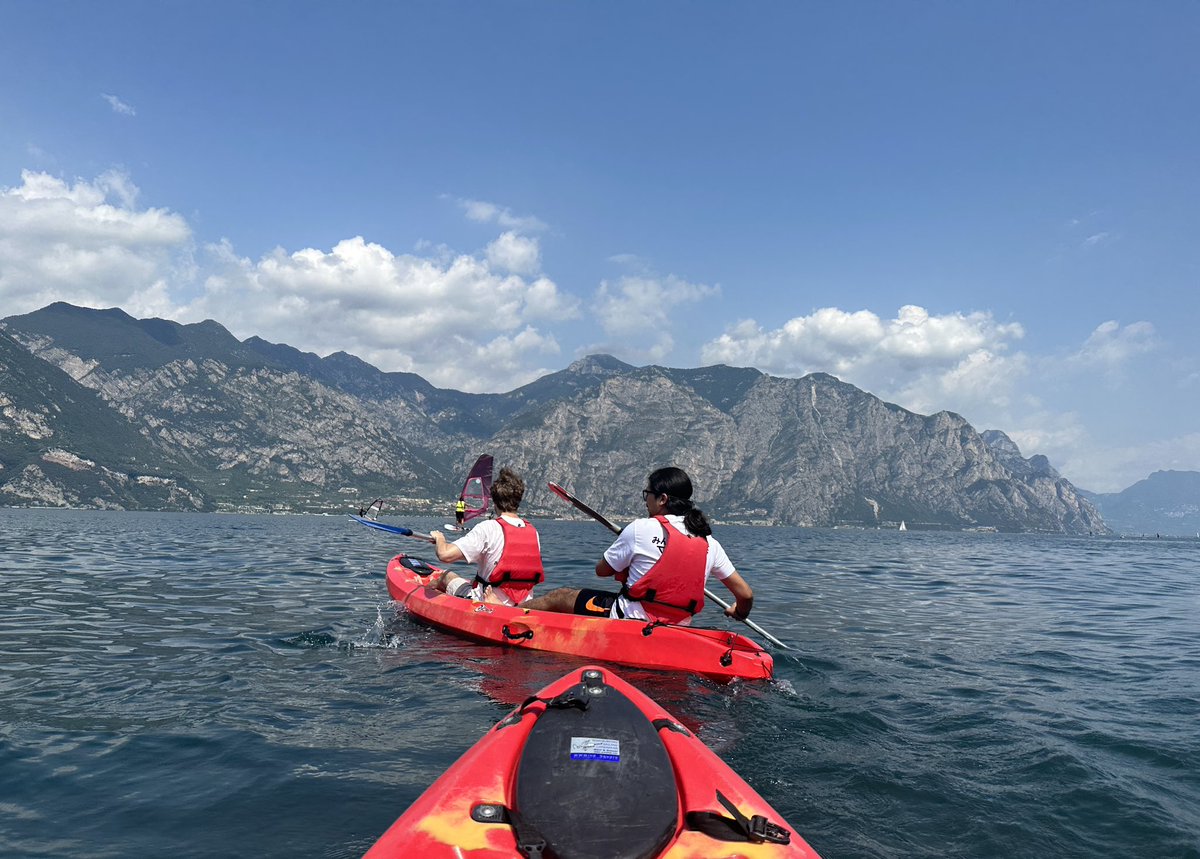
column 984, row 385
column 515, row 253
column 1110, row 347
column 1049, row 434
column 118, row 106
column 486, row 321
column 460, row 324
column 88, row 244
column 966, row 363
column 490, row 213
column 915, row 355
column 460, row 320
column 636, row 311
column 633, row 264
column 960, row 362
column 502, row 363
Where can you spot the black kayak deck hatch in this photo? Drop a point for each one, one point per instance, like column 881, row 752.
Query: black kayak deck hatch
column 594, row 780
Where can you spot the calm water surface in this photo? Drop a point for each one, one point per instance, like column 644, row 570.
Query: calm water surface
column 203, row 685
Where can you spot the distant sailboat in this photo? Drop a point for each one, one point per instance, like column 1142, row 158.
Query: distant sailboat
column 903, row 527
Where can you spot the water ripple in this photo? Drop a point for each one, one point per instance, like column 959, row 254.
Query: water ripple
column 176, row 684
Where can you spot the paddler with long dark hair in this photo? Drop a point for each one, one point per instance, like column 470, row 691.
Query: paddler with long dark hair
column 662, row 562
column 506, row 551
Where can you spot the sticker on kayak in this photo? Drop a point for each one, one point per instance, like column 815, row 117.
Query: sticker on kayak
column 593, row 749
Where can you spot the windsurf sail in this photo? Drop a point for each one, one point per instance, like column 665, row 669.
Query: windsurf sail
column 372, row 510
column 477, row 490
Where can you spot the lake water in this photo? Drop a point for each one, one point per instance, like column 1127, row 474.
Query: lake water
column 205, row 685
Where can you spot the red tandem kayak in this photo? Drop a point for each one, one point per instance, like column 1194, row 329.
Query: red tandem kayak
column 590, row 768
column 718, row 654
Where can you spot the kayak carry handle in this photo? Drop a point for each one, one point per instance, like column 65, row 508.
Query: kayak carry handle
column 517, row 636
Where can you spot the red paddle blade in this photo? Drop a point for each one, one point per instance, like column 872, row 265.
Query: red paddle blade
column 560, row 492
column 579, row 505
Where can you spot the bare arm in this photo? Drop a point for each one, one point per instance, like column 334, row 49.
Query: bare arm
column 742, row 593
column 447, row 553
column 604, row 570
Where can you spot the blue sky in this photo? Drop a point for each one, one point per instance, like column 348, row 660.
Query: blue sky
column 986, row 208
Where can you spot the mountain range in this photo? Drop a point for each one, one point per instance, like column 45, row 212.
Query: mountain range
column 1166, row 503
column 99, row 409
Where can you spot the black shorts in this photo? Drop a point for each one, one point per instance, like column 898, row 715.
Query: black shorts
column 595, row 603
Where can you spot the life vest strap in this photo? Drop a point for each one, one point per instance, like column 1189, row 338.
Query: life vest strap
column 650, row 595
column 509, row 577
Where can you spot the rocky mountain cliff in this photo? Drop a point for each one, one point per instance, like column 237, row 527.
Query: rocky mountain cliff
column 62, row 445
column 250, row 424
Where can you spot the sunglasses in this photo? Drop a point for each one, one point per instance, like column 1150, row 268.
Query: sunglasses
column 647, row 494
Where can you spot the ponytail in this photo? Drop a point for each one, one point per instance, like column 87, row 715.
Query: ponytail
column 677, row 486
column 695, row 520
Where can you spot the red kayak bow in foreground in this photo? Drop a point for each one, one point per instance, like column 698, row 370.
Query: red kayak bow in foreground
column 590, row 768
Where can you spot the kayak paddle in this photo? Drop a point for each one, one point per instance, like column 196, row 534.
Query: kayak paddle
column 579, row 505
column 392, row 529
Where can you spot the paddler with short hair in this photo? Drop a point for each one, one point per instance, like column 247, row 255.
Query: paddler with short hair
column 662, row 562
column 506, row 551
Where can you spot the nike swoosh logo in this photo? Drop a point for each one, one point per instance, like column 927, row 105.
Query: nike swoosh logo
column 591, row 605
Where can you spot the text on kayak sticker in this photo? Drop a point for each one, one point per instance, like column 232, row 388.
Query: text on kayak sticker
column 593, row 749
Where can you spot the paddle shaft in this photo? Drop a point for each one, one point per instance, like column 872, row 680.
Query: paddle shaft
column 579, row 505
column 392, row 529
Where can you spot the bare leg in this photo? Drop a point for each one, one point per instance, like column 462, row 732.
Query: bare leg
column 559, row 599
column 448, row 581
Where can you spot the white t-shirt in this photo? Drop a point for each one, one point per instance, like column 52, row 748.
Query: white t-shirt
column 640, row 545
column 482, row 546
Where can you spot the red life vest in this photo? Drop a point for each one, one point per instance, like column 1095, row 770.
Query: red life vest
column 520, row 564
column 673, row 588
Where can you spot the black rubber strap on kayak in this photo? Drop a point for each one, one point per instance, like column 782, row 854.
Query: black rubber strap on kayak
column 659, row 724
column 571, row 698
column 518, row 714
column 739, row 827
column 516, row 636
column 530, row 843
